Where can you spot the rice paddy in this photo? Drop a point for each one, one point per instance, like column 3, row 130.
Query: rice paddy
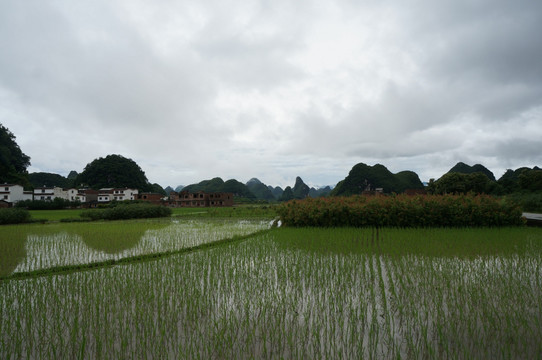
column 290, row 293
column 40, row 247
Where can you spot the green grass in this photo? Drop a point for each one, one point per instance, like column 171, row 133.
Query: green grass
column 295, row 293
column 56, row 215
column 239, row 212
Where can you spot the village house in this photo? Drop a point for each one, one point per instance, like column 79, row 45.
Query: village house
column 46, row 193
column 50, row 193
column 154, row 198
column 118, row 194
column 87, row 196
column 13, row 193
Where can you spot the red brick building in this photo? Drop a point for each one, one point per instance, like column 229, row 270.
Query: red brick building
column 200, row 199
column 153, row 198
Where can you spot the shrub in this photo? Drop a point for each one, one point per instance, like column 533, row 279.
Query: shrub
column 401, row 211
column 56, row 204
column 132, row 211
column 14, row 216
column 529, row 202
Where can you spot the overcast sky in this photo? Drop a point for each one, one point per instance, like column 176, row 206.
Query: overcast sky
column 192, row 90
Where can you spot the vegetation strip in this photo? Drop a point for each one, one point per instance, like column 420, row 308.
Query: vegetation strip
column 127, row 260
column 401, row 211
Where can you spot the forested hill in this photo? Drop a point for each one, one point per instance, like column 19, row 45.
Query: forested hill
column 364, row 177
column 260, row 190
column 463, row 168
column 39, row 179
column 218, row 185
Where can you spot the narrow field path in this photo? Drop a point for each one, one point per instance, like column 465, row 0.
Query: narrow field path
column 533, row 219
column 126, row 260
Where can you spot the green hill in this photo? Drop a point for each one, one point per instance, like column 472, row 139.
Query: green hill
column 276, row 191
column 39, row 179
column 218, row 185
column 260, row 190
column 314, row 193
column 300, row 190
column 521, row 179
column 463, row 168
column 363, row 177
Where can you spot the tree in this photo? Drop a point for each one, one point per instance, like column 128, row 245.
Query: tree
column 13, row 162
column 531, row 180
column 461, row 183
column 40, row 179
column 114, row 171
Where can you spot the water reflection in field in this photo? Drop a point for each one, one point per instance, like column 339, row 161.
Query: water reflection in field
column 24, row 249
column 294, row 293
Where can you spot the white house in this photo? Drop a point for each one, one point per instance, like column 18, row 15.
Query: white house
column 48, row 193
column 13, row 193
column 70, row 194
column 105, row 195
column 119, row 194
column 125, row 194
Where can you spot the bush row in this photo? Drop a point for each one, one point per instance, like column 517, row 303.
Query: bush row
column 529, row 202
column 56, row 204
column 401, row 211
column 14, row 216
column 133, row 211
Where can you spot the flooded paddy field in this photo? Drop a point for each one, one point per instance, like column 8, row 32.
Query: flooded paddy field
column 292, row 293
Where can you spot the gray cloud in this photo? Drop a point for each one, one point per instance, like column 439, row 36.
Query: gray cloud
column 193, row 90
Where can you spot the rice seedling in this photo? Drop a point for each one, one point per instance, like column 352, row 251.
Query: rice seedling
column 33, row 248
column 294, row 293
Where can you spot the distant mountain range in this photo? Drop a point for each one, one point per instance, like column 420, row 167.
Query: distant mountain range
column 255, row 189
column 361, row 178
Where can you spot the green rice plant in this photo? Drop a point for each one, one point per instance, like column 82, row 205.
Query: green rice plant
column 36, row 249
column 238, row 212
column 55, row 215
column 128, row 211
column 288, row 293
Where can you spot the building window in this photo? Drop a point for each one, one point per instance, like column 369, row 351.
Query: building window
column 6, row 189
column 5, row 197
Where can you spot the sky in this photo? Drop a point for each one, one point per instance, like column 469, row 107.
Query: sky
column 273, row 89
